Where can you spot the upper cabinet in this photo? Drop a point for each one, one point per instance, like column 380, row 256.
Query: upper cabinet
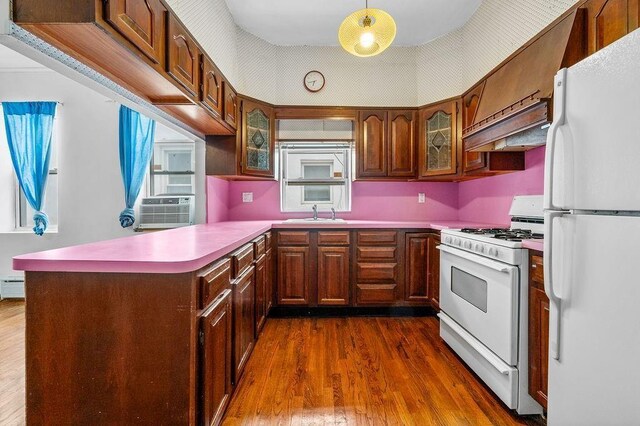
column 212, row 83
column 386, row 144
column 230, row 106
column 183, row 62
column 609, row 20
column 438, row 140
column 258, row 139
column 141, row 23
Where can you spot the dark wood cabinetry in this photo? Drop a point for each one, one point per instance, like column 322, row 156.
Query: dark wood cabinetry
column 372, row 144
column 183, row 59
column 439, row 140
column 377, row 277
column 609, row 20
column 422, row 264
column 402, row 138
column 333, row 275
column 141, row 23
column 538, row 331
column 211, row 87
column 230, row 106
column 261, row 293
column 215, row 359
column 243, row 320
column 293, row 275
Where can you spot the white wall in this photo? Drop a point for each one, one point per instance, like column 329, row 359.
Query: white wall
column 91, row 194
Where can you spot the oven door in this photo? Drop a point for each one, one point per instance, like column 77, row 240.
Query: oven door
column 481, row 295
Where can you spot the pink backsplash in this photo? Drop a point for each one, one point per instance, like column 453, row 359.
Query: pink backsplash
column 489, row 199
column 483, row 200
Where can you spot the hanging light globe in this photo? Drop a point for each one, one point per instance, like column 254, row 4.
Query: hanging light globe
column 367, row 32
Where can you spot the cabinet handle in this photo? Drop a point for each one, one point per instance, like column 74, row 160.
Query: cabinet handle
column 534, row 266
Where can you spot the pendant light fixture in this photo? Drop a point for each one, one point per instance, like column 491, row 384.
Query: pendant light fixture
column 367, row 32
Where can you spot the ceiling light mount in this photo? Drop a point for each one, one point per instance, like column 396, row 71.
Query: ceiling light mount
column 367, row 32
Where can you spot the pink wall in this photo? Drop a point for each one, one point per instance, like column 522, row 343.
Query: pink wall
column 483, row 200
column 217, row 200
column 489, row 199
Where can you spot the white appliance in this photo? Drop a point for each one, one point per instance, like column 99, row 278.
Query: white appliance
column 484, row 301
column 592, row 219
column 166, row 212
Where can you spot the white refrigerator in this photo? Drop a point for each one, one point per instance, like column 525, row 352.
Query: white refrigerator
column 592, row 240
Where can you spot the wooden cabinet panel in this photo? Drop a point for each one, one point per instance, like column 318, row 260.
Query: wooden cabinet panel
column 377, row 237
column 211, row 95
column 259, row 246
column 183, row 57
column 258, row 139
column 270, row 285
column 293, row 275
column 333, row 276
column 416, row 287
column 379, row 254
column 261, row 293
column 470, row 103
column 375, row 294
column 609, row 20
column 230, row 106
column 141, row 22
column 434, row 271
column 243, row 320
column 214, row 281
column 402, row 138
column 293, row 238
column 438, row 140
column 215, row 359
column 377, row 272
column 242, row 259
column 538, row 331
column 333, row 238
column 372, row 144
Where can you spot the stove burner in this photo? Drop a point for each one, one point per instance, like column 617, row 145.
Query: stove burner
column 515, row 235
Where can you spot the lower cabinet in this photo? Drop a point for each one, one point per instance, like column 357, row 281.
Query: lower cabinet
column 333, row 276
column 538, row 331
column 293, row 275
column 243, row 320
column 215, row 359
column 422, row 268
column 261, row 293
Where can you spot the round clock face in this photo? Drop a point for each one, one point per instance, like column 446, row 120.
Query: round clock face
column 314, row 81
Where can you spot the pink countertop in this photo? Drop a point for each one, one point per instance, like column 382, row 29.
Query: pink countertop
column 533, row 244
column 185, row 249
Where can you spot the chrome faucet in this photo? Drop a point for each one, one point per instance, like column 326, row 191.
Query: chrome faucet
column 333, row 213
column 315, row 211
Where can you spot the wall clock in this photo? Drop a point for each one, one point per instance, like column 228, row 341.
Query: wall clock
column 314, row 81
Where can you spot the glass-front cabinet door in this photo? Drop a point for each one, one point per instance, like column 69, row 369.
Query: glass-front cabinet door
column 438, row 143
column 258, row 139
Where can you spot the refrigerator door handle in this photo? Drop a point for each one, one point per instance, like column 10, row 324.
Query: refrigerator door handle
column 559, row 108
column 549, row 288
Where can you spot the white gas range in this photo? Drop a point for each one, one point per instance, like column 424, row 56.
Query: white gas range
column 484, row 301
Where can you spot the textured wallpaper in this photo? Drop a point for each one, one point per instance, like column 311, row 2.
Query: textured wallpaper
column 401, row 76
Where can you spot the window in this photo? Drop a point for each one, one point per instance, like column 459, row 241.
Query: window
column 172, row 169
column 315, row 173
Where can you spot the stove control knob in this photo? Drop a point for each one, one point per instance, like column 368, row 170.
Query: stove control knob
column 456, row 241
column 480, row 248
column 467, row 245
column 447, row 240
column 493, row 252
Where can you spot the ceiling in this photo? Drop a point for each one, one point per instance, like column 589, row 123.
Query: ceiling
column 10, row 59
column 315, row 23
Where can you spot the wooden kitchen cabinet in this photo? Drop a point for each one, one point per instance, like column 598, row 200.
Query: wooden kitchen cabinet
column 211, row 87
column 439, row 140
column 376, row 275
column 372, row 144
column 243, row 320
column 402, row 139
column 215, row 359
column 610, row 20
column 258, row 139
column 230, row 105
column 333, row 275
column 422, row 264
column 261, row 293
column 294, row 264
column 538, row 330
column 142, row 23
column 183, row 62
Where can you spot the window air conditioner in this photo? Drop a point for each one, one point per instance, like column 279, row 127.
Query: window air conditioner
column 166, row 212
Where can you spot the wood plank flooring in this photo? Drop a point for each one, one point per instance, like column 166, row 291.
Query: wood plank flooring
column 319, row 371
column 361, row 371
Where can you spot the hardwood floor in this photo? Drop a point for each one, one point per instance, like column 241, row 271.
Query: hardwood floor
column 361, row 371
column 303, row 371
column 12, row 362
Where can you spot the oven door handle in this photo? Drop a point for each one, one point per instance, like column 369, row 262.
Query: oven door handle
column 492, row 264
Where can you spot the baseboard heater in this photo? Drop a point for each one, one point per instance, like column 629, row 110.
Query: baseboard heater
column 12, row 288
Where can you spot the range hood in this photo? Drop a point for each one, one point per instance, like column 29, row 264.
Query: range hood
column 515, row 104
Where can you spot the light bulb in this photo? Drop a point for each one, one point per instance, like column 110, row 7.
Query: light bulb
column 367, row 39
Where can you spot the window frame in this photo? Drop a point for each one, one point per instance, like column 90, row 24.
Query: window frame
column 153, row 173
column 328, row 146
column 304, row 164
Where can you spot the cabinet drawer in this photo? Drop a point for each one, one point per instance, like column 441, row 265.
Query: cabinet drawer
column 379, row 254
column 214, row 281
column 374, row 294
column 536, row 269
column 259, row 246
column 333, row 238
column 377, row 272
column 267, row 241
column 367, row 238
column 293, row 238
column 242, row 259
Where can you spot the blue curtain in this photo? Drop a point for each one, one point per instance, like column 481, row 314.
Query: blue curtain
column 29, row 127
column 136, row 145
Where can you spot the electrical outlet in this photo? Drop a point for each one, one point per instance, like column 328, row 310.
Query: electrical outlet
column 247, row 197
column 421, row 198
